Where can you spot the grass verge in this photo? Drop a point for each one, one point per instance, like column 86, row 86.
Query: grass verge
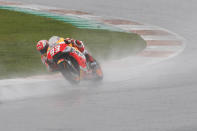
column 19, row 33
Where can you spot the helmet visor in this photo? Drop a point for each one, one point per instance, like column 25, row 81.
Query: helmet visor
column 43, row 51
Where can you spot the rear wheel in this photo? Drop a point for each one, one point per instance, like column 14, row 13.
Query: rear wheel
column 98, row 73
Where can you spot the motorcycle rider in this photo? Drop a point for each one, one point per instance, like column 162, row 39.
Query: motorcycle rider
column 43, row 46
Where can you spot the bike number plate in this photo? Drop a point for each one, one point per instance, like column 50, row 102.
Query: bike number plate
column 55, row 50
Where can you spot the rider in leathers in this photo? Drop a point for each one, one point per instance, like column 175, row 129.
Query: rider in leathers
column 43, row 46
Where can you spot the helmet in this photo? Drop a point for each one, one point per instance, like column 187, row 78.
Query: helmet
column 42, row 46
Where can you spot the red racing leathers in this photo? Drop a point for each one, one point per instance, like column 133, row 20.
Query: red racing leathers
column 75, row 43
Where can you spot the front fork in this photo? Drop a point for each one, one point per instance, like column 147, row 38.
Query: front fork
column 82, row 73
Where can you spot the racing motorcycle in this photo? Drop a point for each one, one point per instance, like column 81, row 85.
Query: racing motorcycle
column 73, row 65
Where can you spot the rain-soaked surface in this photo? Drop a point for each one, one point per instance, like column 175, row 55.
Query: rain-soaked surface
column 157, row 97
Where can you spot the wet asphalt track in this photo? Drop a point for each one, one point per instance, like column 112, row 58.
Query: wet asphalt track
column 159, row 97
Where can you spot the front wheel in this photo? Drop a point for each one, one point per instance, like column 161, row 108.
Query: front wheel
column 69, row 68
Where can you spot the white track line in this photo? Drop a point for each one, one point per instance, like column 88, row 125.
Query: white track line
column 163, row 48
column 155, row 37
column 34, row 7
column 138, row 27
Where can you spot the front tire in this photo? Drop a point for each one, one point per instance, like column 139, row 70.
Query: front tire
column 70, row 70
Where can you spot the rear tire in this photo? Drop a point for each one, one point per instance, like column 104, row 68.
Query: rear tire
column 98, row 73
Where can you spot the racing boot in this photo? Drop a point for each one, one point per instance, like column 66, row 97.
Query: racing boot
column 90, row 60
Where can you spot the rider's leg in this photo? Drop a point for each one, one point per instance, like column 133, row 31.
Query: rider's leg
column 90, row 59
